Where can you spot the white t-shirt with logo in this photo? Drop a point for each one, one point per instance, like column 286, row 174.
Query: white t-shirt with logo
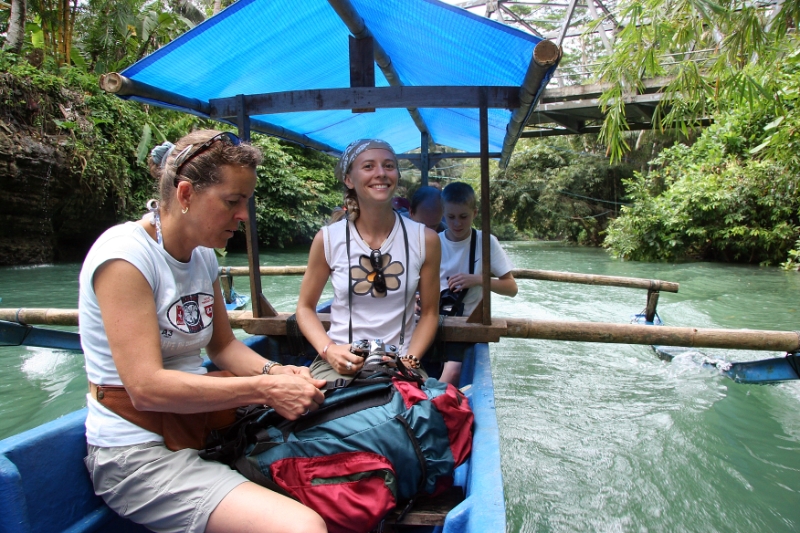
column 184, row 298
column 455, row 260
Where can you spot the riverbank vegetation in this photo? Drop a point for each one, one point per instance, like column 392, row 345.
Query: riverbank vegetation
column 728, row 192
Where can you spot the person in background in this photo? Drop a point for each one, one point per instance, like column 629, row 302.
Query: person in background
column 377, row 260
column 427, row 208
column 149, row 302
column 401, row 205
column 459, row 212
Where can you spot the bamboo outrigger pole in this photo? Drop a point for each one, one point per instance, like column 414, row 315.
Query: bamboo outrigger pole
column 518, row 273
column 458, row 329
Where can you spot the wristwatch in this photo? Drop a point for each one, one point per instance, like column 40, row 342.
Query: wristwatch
column 269, row 366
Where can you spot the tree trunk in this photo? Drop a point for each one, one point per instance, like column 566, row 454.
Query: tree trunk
column 16, row 27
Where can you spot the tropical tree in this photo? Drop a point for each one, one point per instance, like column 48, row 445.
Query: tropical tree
column 557, row 189
column 714, row 53
column 15, row 35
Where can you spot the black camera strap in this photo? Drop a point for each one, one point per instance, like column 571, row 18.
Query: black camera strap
column 350, row 281
column 472, row 244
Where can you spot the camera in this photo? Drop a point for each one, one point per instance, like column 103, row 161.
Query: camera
column 451, row 303
column 373, row 351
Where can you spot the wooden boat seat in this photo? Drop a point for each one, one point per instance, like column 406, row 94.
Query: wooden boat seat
column 426, row 512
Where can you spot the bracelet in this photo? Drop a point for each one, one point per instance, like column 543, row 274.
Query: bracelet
column 324, row 351
column 269, row 366
column 414, row 360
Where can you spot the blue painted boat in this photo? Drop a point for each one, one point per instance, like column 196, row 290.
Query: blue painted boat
column 15, row 334
column 45, row 488
column 238, row 301
column 772, row 370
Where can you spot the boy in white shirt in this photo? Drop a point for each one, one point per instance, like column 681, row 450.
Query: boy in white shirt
column 459, row 212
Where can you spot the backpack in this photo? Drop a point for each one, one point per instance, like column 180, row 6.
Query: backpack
column 373, row 444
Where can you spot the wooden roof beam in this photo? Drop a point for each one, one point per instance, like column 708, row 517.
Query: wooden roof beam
column 434, row 159
column 356, row 25
column 120, row 85
column 504, row 97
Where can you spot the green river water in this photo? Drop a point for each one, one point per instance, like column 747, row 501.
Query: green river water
column 594, row 437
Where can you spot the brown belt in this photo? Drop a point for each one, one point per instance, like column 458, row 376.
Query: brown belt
column 180, row 430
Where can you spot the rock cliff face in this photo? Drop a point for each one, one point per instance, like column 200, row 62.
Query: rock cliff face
column 44, row 215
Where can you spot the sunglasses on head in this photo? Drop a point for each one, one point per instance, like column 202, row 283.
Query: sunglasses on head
column 376, row 260
column 190, row 152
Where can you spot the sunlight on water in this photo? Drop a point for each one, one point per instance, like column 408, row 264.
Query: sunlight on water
column 594, row 437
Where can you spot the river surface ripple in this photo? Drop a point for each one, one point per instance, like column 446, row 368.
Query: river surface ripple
column 594, row 437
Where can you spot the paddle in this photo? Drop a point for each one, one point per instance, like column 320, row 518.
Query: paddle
column 14, row 334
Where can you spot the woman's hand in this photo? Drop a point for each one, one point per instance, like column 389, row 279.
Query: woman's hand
column 293, row 396
column 342, row 360
column 461, row 281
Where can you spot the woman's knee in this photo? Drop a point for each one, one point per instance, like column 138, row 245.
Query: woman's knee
column 311, row 522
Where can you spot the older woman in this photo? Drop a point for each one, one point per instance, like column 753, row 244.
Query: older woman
column 149, row 301
column 376, row 260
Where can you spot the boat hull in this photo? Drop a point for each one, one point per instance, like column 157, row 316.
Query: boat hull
column 44, row 485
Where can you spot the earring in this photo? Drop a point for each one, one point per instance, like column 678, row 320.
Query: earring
column 185, row 210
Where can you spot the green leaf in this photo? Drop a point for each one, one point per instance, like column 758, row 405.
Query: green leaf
column 144, row 144
column 774, row 124
column 760, row 147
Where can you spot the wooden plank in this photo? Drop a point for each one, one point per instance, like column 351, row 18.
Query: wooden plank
column 362, row 66
column 650, row 308
column 581, row 92
column 486, row 254
column 505, row 97
column 544, row 131
column 592, row 103
column 454, row 329
column 260, row 305
column 427, row 512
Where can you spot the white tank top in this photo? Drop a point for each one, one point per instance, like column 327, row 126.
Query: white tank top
column 375, row 315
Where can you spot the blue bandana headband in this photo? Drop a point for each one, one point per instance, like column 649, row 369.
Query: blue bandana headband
column 161, row 152
column 352, row 152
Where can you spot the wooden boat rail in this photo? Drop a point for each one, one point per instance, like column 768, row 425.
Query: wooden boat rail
column 652, row 286
column 460, row 330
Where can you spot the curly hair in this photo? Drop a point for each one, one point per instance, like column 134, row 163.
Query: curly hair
column 201, row 171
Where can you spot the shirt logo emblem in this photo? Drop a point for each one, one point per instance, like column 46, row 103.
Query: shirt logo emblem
column 185, row 314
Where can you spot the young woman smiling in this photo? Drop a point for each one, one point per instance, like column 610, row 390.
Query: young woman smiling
column 377, row 261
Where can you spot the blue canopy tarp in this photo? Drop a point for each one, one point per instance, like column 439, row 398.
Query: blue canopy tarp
column 266, row 46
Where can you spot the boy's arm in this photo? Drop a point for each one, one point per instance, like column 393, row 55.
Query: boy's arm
column 504, row 284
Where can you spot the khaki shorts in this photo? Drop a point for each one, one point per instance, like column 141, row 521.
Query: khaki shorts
column 163, row 490
column 321, row 369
